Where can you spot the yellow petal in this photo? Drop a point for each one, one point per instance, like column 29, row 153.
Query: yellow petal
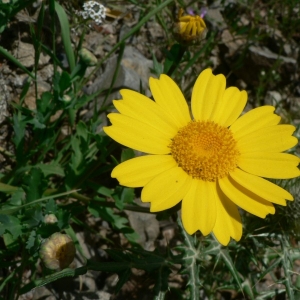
column 166, row 189
column 261, row 187
column 208, row 91
column 199, row 207
column 189, row 27
column 170, row 98
column 231, row 106
column 276, row 138
column 137, row 172
column 137, row 135
column 254, row 119
column 182, row 27
column 245, row 198
column 270, row 165
column 228, row 223
column 141, row 108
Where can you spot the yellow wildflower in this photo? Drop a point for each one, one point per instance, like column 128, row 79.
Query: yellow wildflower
column 213, row 161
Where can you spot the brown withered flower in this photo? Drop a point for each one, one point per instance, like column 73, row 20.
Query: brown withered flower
column 58, row 251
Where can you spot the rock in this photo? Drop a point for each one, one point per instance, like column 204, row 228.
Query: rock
column 134, row 72
column 24, row 52
column 4, row 98
column 46, row 73
column 215, row 19
column 232, row 44
column 295, row 107
column 94, row 42
column 273, row 98
column 145, row 225
column 258, row 59
column 30, row 99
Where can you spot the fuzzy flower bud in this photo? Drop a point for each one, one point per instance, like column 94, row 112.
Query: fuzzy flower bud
column 50, row 219
column 189, row 28
column 58, row 251
column 88, row 57
column 66, row 98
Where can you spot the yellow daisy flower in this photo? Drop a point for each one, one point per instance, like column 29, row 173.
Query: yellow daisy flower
column 213, row 162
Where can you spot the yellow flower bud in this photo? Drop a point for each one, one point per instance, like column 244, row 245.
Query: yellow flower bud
column 58, row 251
column 189, row 28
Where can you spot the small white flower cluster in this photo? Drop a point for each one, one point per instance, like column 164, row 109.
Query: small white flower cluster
column 93, row 10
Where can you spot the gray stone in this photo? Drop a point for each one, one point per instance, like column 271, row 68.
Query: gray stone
column 145, row 225
column 134, row 72
column 258, row 59
column 264, row 57
column 4, row 98
column 215, row 18
column 273, row 98
column 46, row 73
column 24, row 52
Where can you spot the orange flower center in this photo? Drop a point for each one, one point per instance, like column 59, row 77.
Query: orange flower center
column 205, row 150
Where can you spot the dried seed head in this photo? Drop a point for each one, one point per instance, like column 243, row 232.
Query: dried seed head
column 58, row 251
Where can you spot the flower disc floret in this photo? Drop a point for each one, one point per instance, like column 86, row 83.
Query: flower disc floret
column 205, row 150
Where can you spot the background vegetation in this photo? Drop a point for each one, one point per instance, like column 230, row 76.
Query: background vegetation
column 56, row 162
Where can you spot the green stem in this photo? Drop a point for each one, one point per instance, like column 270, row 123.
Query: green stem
column 86, row 199
column 191, row 263
column 179, row 57
column 161, row 296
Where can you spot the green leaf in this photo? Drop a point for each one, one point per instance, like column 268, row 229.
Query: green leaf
column 65, row 34
column 270, row 294
column 19, row 135
column 127, row 195
column 52, row 168
column 224, row 254
column 64, row 82
column 33, row 216
column 173, row 57
column 247, row 288
column 15, row 200
column 53, row 277
column 5, row 188
column 10, row 224
column 123, row 196
column 34, row 184
column 13, row 210
column 63, row 217
column 77, row 156
column 50, row 207
column 43, row 103
column 11, row 242
column 81, row 130
column 161, row 282
column 104, row 191
column 11, row 58
column 31, row 240
column 36, row 123
column 25, row 89
column 158, row 68
column 123, row 278
column 127, row 154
